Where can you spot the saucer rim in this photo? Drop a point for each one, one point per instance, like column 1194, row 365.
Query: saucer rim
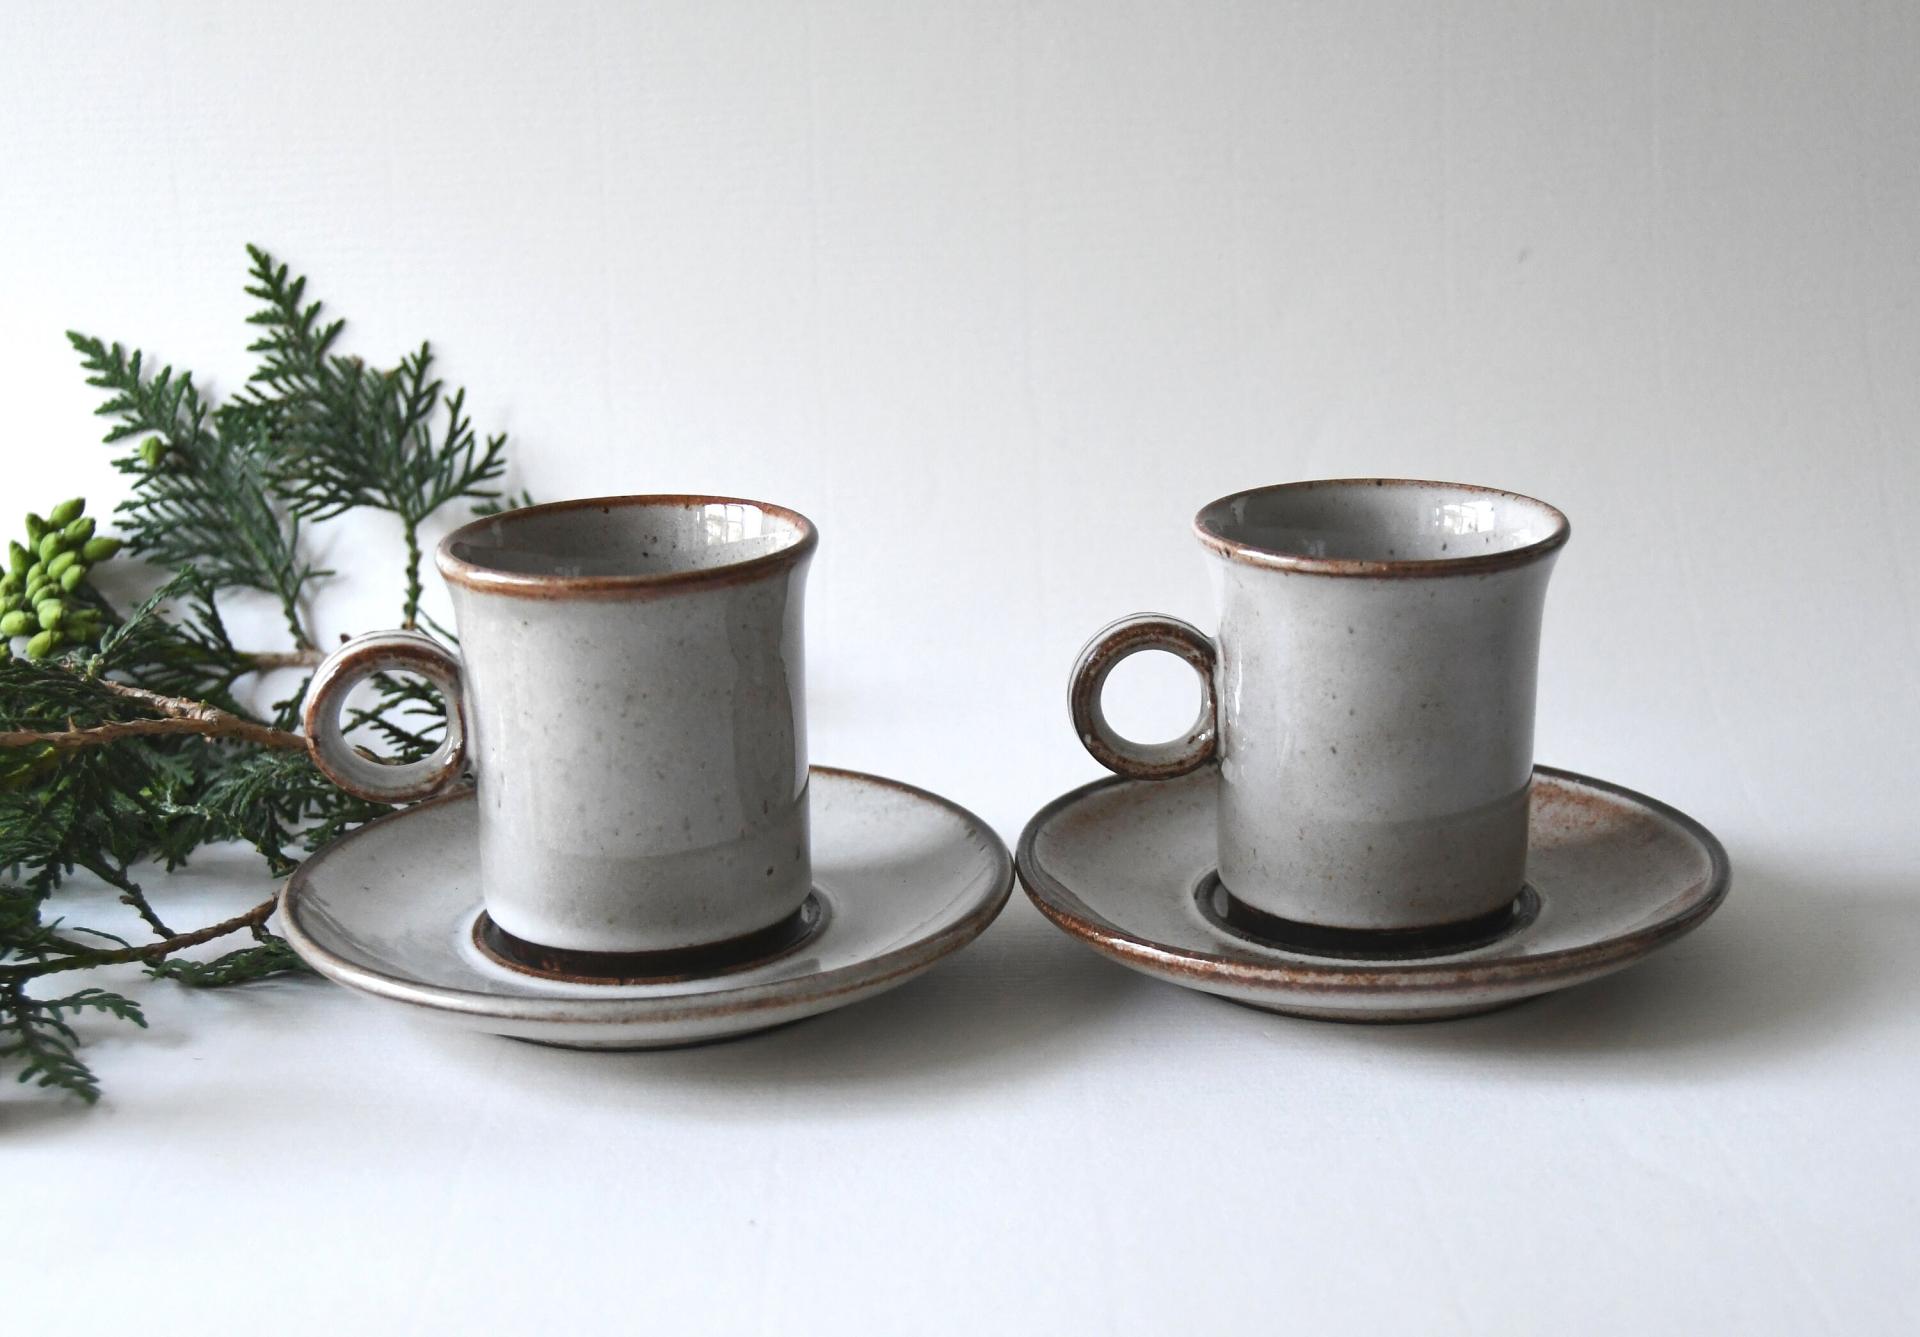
column 693, row 1003
column 1335, row 976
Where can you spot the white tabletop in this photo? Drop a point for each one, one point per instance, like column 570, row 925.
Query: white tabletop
column 999, row 297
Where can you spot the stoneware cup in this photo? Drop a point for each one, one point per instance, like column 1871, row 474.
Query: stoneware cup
column 1369, row 699
column 629, row 694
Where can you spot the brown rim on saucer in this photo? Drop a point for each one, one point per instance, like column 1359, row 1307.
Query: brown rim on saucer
column 1537, row 971
column 496, row 580
column 1205, row 523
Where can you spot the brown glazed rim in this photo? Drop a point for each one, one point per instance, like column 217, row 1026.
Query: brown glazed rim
column 1275, row 559
column 493, row 580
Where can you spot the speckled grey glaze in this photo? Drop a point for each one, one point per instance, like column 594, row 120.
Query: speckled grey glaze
column 633, row 687
column 907, row 879
column 1370, row 697
column 1118, row 864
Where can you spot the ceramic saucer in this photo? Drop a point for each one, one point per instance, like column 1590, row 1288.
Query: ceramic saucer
column 1127, row 866
column 902, row 878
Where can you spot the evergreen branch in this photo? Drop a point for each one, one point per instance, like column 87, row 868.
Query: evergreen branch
column 410, row 608
column 203, row 493
column 122, row 740
column 208, row 722
column 22, row 934
column 63, row 944
column 99, row 809
column 188, row 654
column 34, row 1032
column 152, row 951
column 402, row 698
column 262, row 961
column 296, row 344
column 86, row 696
column 275, row 802
column 352, row 436
column 131, row 895
column 166, row 405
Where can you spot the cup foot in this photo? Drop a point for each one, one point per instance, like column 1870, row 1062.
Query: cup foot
column 1226, row 911
column 656, row 967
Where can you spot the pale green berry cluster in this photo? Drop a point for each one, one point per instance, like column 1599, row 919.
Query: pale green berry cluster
column 43, row 573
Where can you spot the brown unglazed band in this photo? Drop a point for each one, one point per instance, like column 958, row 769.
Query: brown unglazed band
column 656, row 967
column 1227, row 911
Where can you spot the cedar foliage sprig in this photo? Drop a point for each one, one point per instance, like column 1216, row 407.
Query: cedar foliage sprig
column 349, row 435
column 132, row 746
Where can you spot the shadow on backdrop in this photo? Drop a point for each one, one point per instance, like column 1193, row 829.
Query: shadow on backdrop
column 1009, row 1006
column 1792, row 961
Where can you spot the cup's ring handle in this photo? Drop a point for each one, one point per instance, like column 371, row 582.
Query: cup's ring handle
column 1113, row 643
column 344, row 764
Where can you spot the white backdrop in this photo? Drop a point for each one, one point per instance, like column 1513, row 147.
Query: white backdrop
column 999, row 294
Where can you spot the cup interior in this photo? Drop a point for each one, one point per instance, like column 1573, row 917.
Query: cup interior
column 1378, row 522
column 623, row 539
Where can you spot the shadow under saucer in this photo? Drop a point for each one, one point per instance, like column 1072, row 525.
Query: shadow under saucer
column 1796, row 960
column 1007, row 1007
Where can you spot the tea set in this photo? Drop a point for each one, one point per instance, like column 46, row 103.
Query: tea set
column 621, row 843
